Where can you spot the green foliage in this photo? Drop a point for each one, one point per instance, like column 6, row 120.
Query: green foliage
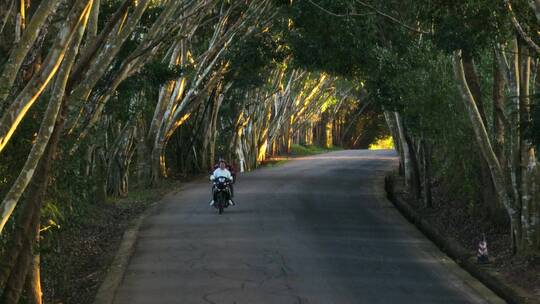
column 322, row 42
column 405, row 71
column 251, row 58
column 299, row 150
column 464, row 24
column 139, row 93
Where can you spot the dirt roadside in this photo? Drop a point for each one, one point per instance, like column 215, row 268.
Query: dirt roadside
column 452, row 227
column 77, row 259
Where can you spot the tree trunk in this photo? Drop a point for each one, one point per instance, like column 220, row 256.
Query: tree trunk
column 33, row 280
column 16, row 58
column 18, row 258
column 410, row 163
column 33, row 89
column 392, row 126
column 415, row 182
column 45, row 131
column 497, row 212
column 484, row 144
column 527, row 155
column 486, row 190
column 426, row 168
column 498, row 113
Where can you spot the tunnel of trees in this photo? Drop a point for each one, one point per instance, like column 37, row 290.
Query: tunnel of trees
column 98, row 97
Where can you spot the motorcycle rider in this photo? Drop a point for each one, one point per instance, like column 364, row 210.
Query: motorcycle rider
column 232, row 169
column 221, row 171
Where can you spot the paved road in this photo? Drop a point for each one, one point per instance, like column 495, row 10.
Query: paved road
column 315, row 230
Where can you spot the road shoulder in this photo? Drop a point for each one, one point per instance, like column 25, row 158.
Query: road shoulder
column 461, row 256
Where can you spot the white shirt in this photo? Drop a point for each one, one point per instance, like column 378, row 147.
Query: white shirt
column 225, row 173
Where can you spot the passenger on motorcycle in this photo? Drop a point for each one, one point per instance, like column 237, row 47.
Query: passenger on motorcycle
column 221, row 171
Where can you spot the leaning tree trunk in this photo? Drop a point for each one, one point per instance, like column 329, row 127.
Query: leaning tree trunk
column 24, row 45
column 410, row 165
column 527, row 158
column 498, row 113
column 34, row 88
column 45, row 131
column 20, row 258
column 484, row 144
column 486, row 190
column 425, row 148
column 17, row 260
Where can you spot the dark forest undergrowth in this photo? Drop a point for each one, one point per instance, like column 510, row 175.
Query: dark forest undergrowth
column 76, row 258
column 465, row 224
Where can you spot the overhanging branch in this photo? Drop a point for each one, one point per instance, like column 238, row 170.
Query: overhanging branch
column 375, row 11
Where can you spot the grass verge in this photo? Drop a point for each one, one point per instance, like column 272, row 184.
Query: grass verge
column 299, row 150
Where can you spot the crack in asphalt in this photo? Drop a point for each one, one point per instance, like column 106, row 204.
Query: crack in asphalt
column 309, row 231
column 206, row 296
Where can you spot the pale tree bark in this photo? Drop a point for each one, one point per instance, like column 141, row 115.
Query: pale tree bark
column 17, row 259
column 392, row 127
column 93, row 21
column 180, row 103
column 26, row 98
column 225, row 32
column 471, row 74
column 239, row 141
column 20, row 263
column 145, row 51
column 406, row 152
column 305, row 109
column 19, row 52
column 535, row 5
column 119, row 158
column 215, row 120
column 168, row 97
column 527, row 154
column 520, row 29
column 103, row 59
column 500, row 125
column 47, row 126
column 6, row 13
column 275, row 120
column 498, row 113
column 222, row 38
column 94, row 45
column 208, row 148
column 173, row 101
column 484, row 143
column 283, row 105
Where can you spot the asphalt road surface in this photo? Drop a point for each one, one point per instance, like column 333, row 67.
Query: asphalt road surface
column 314, row 230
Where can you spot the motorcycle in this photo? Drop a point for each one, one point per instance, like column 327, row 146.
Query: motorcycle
column 222, row 193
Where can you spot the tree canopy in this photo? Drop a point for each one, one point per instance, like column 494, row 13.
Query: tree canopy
column 98, row 97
